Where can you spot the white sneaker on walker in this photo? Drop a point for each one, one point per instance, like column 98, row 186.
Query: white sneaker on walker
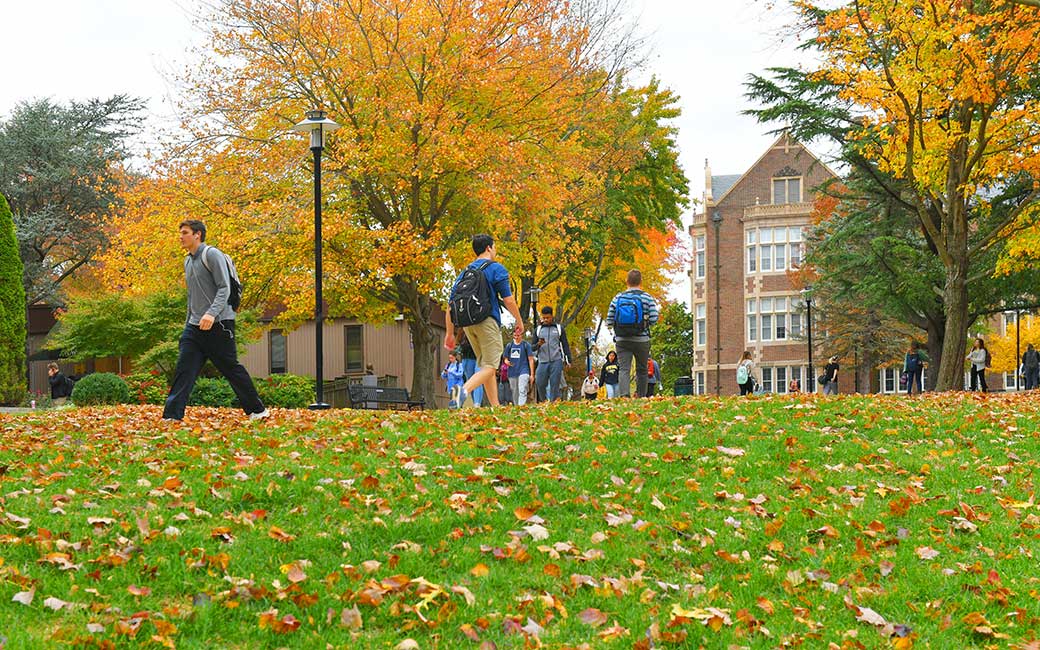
column 262, row 415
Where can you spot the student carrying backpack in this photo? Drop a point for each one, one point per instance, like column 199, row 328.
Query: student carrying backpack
column 471, row 298
column 631, row 315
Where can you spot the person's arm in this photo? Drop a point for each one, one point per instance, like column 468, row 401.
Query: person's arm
column 218, row 270
column 565, row 345
column 610, row 313
column 449, row 330
column 510, row 303
column 530, row 361
column 653, row 314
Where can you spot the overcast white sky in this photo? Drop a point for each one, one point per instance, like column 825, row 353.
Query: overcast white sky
column 701, row 49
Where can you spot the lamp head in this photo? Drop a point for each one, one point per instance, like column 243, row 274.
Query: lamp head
column 318, row 126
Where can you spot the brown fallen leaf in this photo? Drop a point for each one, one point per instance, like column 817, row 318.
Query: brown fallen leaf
column 593, row 617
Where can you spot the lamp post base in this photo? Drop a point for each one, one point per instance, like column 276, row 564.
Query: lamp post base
column 319, row 406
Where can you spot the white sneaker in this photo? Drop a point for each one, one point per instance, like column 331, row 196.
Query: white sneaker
column 262, row 415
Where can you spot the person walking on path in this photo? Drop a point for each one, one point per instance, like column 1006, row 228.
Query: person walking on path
column 209, row 332
column 631, row 315
column 745, row 380
column 653, row 376
column 1031, row 366
column 477, row 298
column 608, row 375
column 520, row 357
column 913, row 366
column 61, row 386
column 980, row 360
column 829, row 378
column 455, row 377
column 553, row 353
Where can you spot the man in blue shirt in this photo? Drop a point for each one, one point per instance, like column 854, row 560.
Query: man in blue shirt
column 633, row 344
column 486, row 336
column 520, row 358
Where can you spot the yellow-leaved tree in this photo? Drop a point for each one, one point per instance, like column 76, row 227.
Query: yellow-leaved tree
column 457, row 117
column 944, row 98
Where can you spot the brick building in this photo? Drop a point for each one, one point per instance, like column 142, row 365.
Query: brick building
column 760, row 237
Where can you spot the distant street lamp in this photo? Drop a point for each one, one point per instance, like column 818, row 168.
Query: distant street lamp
column 534, row 292
column 317, row 125
column 589, row 334
column 807, row 295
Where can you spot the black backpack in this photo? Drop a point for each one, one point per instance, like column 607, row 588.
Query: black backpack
column 470, row 301
column 235, row 295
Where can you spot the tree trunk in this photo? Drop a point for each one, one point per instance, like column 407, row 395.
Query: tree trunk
column 955, row 300
column 934, row 346
column 417, row 309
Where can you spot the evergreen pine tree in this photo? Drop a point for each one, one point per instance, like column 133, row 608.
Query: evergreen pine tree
column 12, row 312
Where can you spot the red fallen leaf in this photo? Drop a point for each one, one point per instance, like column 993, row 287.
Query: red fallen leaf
column 593, row 617
column 139, row 591
column 765, row 605
column 551, row 570
column 172, row 483
column 369, row 482
column 284, row 625
column 861, row 552
column 280, row 535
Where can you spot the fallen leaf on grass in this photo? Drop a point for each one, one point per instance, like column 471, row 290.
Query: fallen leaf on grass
column 593, row 617
column 24, row 597
column 926, row 552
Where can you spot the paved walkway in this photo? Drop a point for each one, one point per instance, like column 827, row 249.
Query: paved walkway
column 14, row 410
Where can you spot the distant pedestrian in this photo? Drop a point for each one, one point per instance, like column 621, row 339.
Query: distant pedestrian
column 631, row 315
column 608, row 375
column 505, row 395
column 745, row 379
column 653, row 376
column 455, row 377
column 468, row 358
column 476, row 303
column 980, row 360
column 829, row 378
column 794, row 386
column 1031, row 367
column 61, row 386
column 590, row 387
column 913, row 366
column 553, row 353
column 520, row 357
column 209, row 332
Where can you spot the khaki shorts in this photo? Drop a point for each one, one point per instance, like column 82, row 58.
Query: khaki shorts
column 486, row 339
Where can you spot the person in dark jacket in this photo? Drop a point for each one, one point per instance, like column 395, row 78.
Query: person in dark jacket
column 913, row 367
column 608, row 375
column 61, row 386
column 1031, row 366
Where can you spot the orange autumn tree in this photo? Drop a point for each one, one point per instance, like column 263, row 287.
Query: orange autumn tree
column 946, row 98
column 456, row 117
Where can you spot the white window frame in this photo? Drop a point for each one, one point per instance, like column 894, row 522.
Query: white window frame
column 701, row 323
column 701, row 257
column 786, row 180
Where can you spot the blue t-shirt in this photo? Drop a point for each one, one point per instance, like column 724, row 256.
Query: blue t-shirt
column 498, row 279
column 519, row 355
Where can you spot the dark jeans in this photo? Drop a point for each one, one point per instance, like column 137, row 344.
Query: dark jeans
column 651, row 387
column 626, row 351
column 913, row 378
column 978, row 378
column 1031, row 376
column 748, row 387
column 218, row 345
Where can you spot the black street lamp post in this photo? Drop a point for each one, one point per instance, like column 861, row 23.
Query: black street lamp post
column 589, row 334
column 317, row 125
column 807, row 294
column 534, row 293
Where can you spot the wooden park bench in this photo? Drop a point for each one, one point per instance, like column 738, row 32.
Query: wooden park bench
column 383, row 397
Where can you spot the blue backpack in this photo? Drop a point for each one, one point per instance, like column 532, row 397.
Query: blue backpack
column 913, row 362
column 628, row 315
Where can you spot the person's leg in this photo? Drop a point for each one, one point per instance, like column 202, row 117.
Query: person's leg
column 651, row 388
column 189, row 361
column 1032, row 375
column 918, row 379
column 982, row 381
column 487, row 343
column 220, row 348
column 523, row 386
column 624, row 358
column 555, row 378
column 974, row 385
column 642, row 355
column 611, row 391
column 514, row 389
column 541, row 380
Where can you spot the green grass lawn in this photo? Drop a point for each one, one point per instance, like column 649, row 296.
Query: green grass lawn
column 771, row 522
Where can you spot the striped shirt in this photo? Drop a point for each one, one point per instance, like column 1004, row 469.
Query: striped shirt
column 650, row 314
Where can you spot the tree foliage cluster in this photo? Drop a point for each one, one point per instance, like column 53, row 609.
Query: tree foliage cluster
column 12, row 313
column 459, row 117
column 933, row 109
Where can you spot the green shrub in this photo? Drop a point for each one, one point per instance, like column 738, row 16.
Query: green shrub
column 12, row 312
column 147, row 387
column 285, row 391
column 100, row 388
column 209, row 391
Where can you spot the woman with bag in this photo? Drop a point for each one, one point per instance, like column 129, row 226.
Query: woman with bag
column 913, row 368
column 980, row 360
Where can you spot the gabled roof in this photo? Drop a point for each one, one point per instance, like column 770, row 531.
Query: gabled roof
column 721, row 184
column 720, row 196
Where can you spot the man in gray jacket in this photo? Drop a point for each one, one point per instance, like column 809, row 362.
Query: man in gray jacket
column 553, row 352
column 209, row 332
